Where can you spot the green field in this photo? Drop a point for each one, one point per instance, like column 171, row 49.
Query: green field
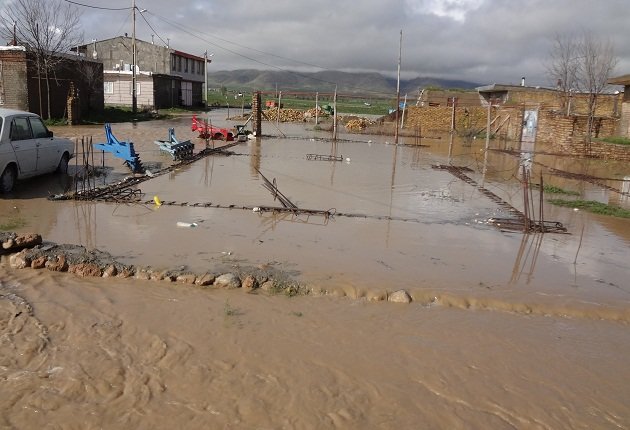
column 352, row 105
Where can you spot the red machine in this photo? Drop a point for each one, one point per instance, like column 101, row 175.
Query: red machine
column 207, row 131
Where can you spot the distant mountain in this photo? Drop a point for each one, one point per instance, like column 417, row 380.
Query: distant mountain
column 359, row 83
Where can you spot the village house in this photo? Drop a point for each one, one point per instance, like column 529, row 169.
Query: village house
column 547, row 99
column 164, row 77
column 624, row 120
column 76, row 85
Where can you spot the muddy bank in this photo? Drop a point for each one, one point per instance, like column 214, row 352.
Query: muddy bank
column 33, row 253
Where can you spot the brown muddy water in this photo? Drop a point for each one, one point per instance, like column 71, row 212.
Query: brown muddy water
column 506, row 330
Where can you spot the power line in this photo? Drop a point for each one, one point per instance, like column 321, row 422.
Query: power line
column 97, row 7
column 185, row 30
column 156, row 33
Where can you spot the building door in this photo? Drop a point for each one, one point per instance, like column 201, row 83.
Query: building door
column 187, row 93
column 530, row 125
column 24, row 146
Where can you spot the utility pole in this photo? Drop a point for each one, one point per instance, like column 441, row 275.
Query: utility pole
column 205, row 79
column 398, row 89
column 134, row 96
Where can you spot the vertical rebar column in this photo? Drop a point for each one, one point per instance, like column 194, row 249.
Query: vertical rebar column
column 257, row 114
column 525, row 201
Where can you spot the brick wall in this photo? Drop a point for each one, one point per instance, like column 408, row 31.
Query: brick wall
column 564, row 134
column 505, row 121
column 438, row 119
column 13, row 89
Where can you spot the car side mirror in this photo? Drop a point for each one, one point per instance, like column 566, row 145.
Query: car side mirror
column 49, row 134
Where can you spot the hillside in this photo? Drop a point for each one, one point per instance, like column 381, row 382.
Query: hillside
column 360, row 83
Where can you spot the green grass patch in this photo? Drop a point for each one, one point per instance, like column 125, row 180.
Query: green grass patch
column 593, row 207
column 347, row 105
column 55, row 121
column 557, row 190
column 615, row 139
column 12, row 223
column 115, row 114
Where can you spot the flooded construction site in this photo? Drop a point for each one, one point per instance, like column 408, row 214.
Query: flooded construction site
column 507, row 328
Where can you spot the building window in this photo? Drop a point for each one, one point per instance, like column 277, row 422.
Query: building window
column 173, row 63
column 186, row 65
column 137, row 88
column 108, row 87
column 179, row 64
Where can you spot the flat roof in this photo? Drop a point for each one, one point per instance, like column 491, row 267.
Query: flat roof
column 620, row 80
column 503, row 87
column 13, row 48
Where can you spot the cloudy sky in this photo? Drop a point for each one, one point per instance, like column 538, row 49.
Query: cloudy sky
column 483, row 41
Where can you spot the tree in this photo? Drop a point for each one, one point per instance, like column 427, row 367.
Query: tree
column 563, row 67
column 583, row 64
column 47, row 28
column 92, row 75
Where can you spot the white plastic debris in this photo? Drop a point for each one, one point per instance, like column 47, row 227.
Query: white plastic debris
column 186, row 224
column 256, row 209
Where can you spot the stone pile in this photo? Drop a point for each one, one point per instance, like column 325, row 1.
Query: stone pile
column 29, row 251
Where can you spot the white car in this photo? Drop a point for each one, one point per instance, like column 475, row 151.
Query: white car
column 28, row 148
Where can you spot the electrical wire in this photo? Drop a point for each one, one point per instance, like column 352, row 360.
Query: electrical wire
column 185, row 30
column 98, row 7
column 197, row 36
column 155, row 32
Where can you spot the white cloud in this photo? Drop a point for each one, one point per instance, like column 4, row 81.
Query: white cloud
column 482, row 41
column 454, row 9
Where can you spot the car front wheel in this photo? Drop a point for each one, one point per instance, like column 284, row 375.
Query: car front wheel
column 63, row 164
column 7, row 180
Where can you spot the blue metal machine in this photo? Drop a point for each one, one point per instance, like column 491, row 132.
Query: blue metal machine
column 122, row 150
column 178, row 150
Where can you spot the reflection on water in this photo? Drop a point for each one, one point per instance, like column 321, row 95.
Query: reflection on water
column 446, row 244
column 96, row 353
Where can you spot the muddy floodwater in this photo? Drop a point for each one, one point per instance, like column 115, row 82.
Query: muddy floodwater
column 506, row 330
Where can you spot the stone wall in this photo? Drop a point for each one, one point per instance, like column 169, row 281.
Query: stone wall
column 567, row 135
